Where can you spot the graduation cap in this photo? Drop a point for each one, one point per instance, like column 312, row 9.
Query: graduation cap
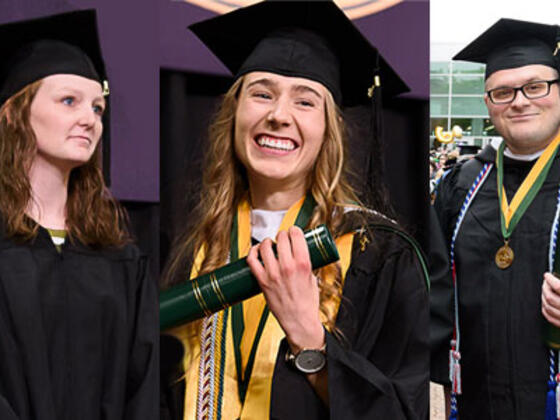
column 309, row 39
column 513, row 43
column 66, row 43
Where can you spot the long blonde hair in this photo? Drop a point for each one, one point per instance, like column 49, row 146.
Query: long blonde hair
column 225, row 184
column 93, row 216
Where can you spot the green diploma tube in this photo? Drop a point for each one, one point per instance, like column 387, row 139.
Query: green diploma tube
column 230, row 284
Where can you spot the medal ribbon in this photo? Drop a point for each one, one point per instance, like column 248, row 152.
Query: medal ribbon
column 510, row 214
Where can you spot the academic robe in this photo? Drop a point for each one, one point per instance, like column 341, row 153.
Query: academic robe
column 381, row 367
column 504, row 362
column 78, row 333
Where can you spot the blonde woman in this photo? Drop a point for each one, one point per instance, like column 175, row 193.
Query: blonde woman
column 348, row 341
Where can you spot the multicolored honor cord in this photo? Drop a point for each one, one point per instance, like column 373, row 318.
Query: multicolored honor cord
column 454, row 352
column 552, row 408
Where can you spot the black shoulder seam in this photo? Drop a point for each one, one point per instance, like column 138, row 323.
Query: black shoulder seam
column 413, row 243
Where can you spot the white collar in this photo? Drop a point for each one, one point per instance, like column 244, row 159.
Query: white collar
column 265, row 223
column 526, row 158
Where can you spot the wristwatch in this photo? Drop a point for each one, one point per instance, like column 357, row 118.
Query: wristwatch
column 308, row 360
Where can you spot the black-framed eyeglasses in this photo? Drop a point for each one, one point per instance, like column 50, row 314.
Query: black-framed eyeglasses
column 531, row 90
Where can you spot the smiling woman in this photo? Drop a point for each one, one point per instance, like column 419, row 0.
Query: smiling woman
column 78, row 318
column 313, row 345
column 279, row 131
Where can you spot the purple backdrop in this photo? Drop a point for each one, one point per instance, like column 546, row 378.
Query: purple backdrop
column 135, row 48
column 401, row 33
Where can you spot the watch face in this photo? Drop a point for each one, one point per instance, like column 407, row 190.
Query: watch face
column 310, row 361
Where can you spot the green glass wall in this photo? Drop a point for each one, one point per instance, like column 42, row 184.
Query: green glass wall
column 457, row 98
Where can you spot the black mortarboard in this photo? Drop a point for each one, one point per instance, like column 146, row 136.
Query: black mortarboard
column 61, row 44
column 513, row 43
column 309, row 39
column 66, row 43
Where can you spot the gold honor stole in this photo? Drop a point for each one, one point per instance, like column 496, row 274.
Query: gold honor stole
column 229, row 366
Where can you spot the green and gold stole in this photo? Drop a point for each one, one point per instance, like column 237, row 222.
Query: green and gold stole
column 511, row 213
column 229, row 366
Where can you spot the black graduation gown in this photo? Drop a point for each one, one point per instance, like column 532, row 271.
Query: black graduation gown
column 504, row 360
column 382, row 371
column 78, row 333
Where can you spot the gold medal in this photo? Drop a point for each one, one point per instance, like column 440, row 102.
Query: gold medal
column 504, row 256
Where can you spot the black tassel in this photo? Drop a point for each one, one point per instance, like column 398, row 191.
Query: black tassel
column 377, row 195
column 556, row 52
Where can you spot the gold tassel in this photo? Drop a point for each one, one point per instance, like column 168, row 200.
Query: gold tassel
column 376, row 83
column 105, row 87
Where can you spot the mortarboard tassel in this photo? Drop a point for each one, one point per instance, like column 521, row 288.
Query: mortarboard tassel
column 106, row 138
column 377, row 195
column 557, row 41
column 375, row 164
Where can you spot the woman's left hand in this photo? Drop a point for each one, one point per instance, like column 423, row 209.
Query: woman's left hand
column 290, row 288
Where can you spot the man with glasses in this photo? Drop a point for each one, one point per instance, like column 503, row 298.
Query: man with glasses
column 493, row 338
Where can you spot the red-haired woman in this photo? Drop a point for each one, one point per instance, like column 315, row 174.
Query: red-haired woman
column 78, row 317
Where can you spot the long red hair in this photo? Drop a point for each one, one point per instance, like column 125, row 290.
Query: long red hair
column 93, row 216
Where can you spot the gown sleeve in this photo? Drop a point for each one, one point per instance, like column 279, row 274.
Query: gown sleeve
column 143, row 365
column 6, row 412
column 9, row 383
column 385, row 373
column 14, row 394
column 380, row 369
column 441, row 302
column 441, row 292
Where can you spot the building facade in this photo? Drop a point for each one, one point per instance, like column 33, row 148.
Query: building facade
column 457, row 96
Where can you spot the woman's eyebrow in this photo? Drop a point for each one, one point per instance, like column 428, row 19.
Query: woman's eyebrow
column 262, row 81
column 305, row 88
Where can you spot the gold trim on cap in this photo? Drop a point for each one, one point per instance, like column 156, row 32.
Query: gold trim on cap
column 106, row 90
column 376, row 83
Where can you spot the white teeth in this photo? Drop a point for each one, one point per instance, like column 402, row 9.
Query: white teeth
column 275, row 143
